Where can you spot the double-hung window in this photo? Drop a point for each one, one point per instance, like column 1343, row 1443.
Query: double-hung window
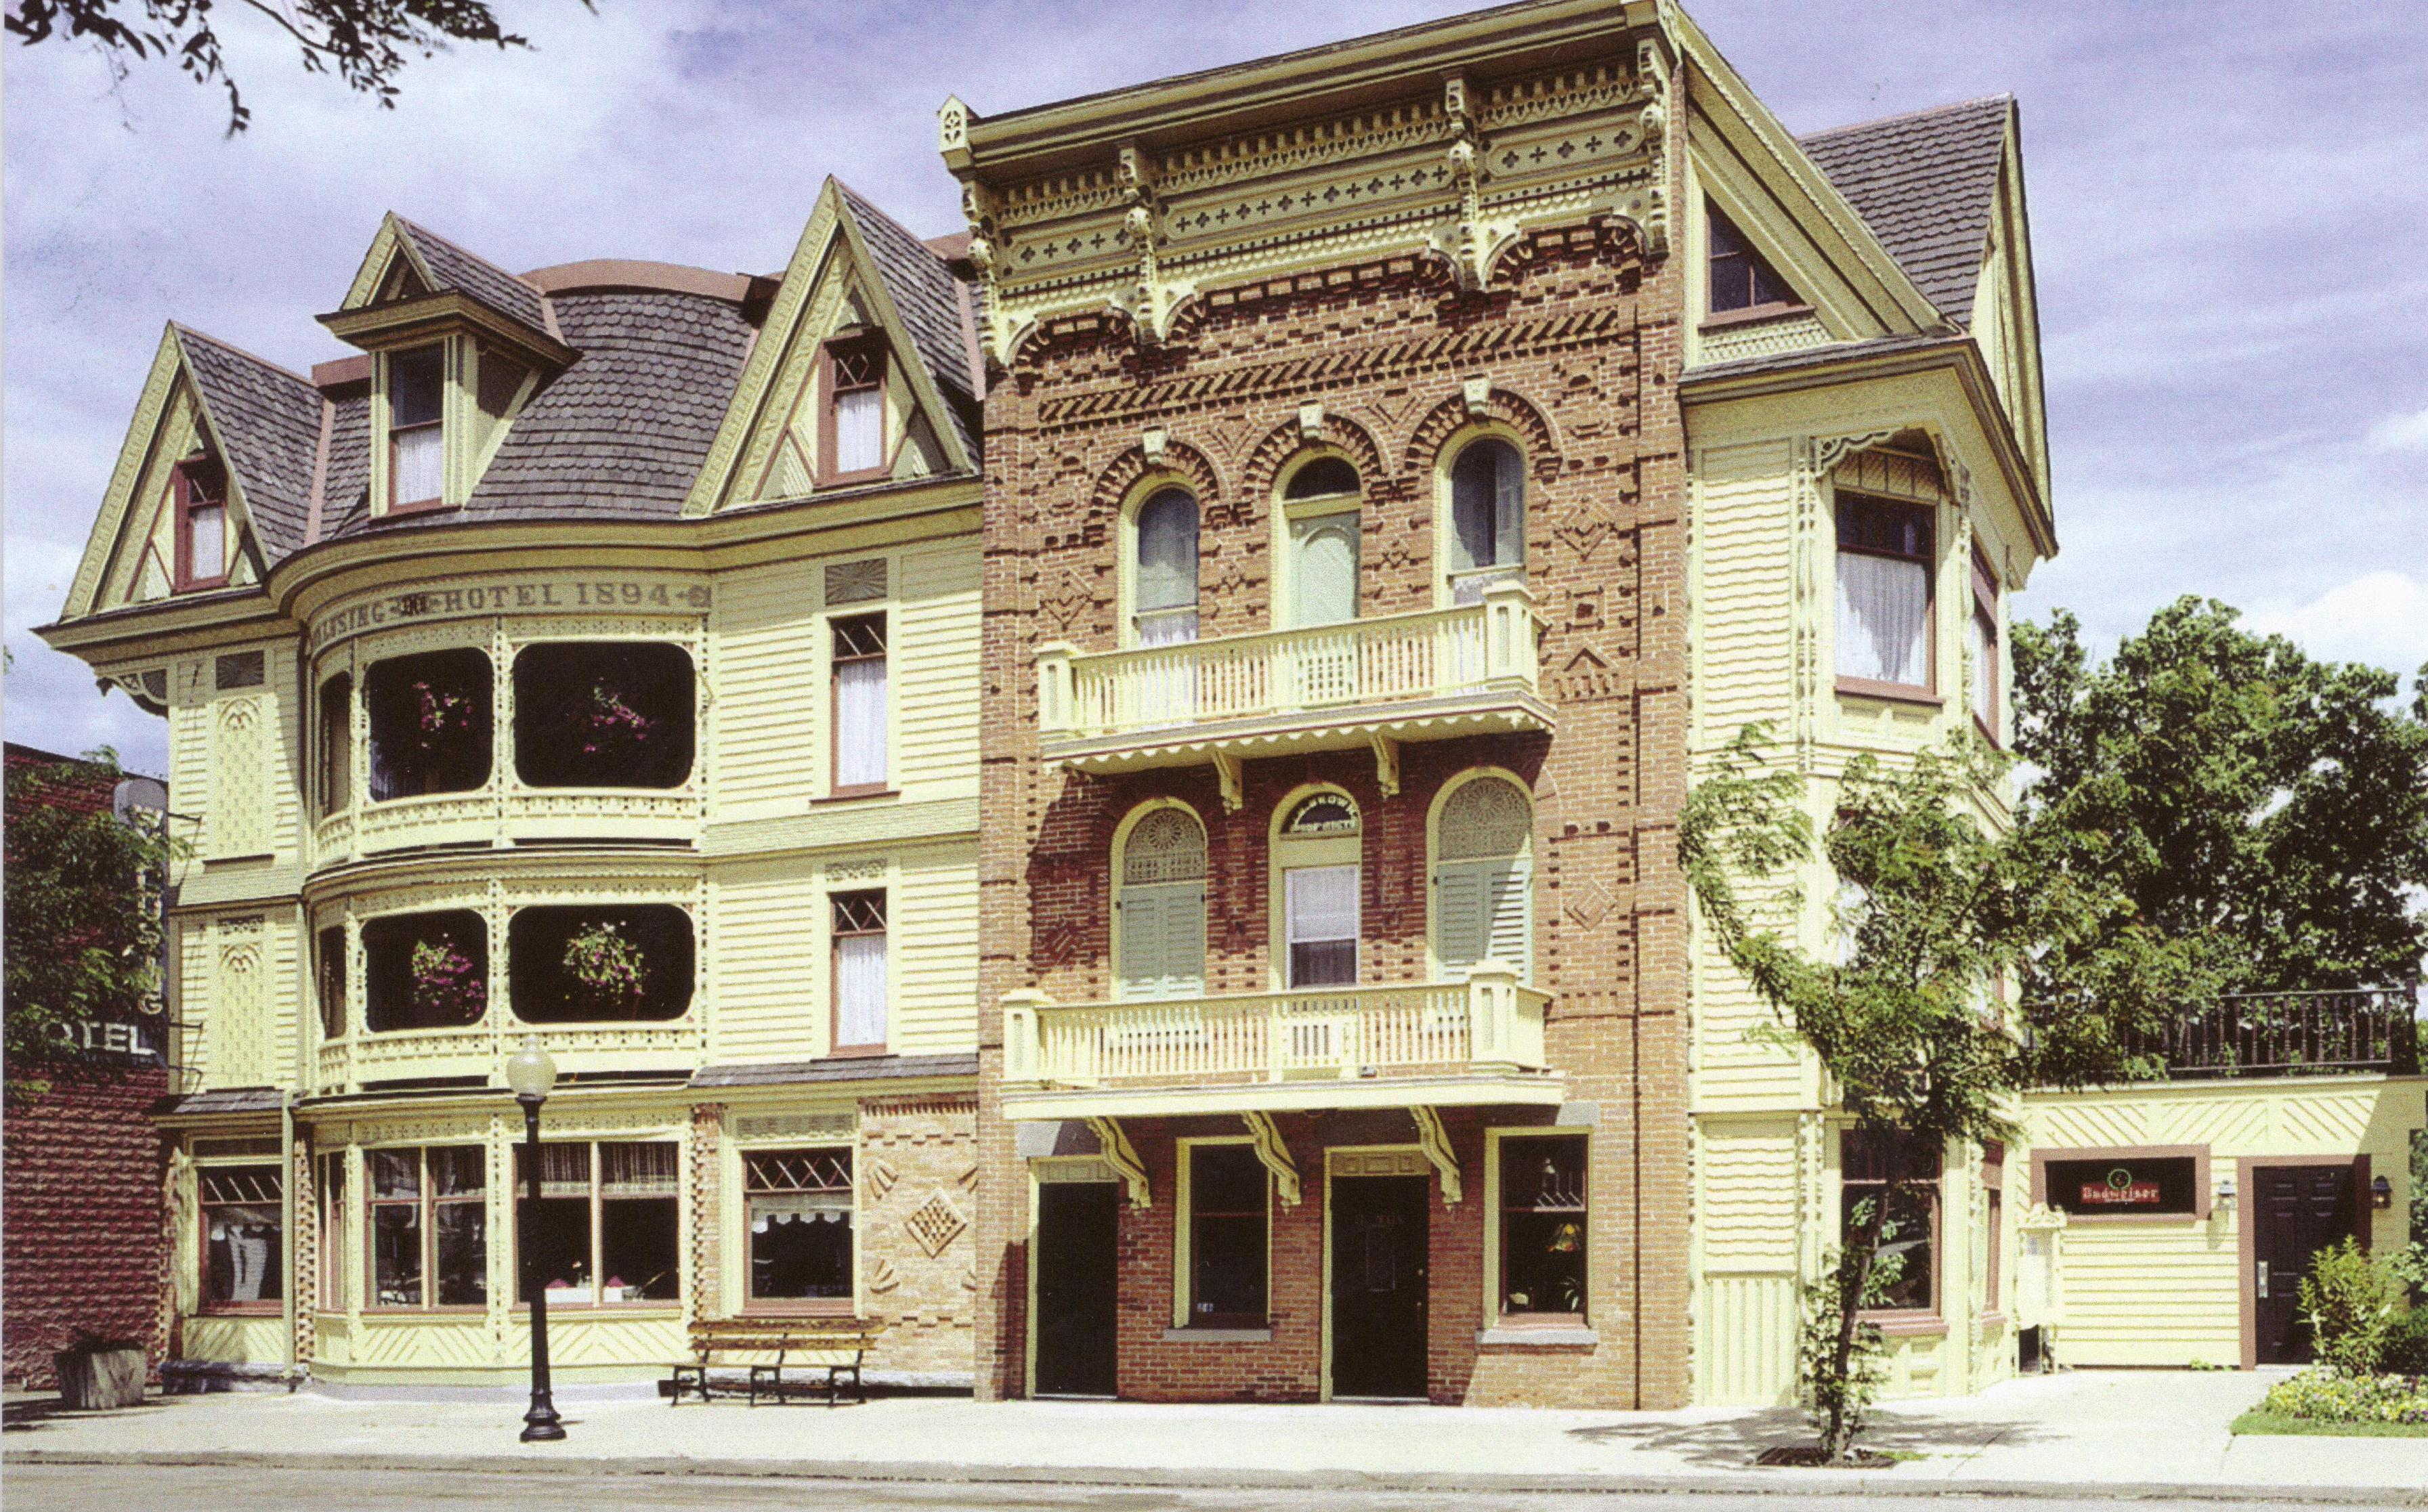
column 1227, row 1194
column 1981, row 642
column 1165, row 590
column 1884, row 598
column 607, row 1226
column 201, row 525
column 799, row 1206
column 429, row 1226
column 859, row 712
column 1905, row 1176
column 860, row 970
column 1488, row 517
column 244, row 1237
column 855, row 411
column 417, row 449
column 1739, row 278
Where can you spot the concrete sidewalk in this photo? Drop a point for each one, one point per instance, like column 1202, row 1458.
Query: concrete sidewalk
column 2090, row 1433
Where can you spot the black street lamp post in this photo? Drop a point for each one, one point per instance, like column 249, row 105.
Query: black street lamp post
column 532, row 1074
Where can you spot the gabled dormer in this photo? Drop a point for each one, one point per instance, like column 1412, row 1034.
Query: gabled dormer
column 866, row 371
column 213, row 482
column 458, row 345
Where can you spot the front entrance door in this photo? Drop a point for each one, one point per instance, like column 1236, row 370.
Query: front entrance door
column 2297, row 1211
column 1077, row 1264
column 1378, row 1286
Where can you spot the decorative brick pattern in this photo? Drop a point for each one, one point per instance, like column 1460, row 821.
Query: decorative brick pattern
column 915, row 1241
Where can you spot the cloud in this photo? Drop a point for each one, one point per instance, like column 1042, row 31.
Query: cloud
column 2399, row 432
column 2379, row 617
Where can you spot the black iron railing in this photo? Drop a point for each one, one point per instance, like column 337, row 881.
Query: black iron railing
column 2293, row 1033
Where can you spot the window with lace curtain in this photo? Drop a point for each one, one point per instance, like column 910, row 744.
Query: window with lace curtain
column 200, row 489
column 854, row 418
column 1164, row 591
column 800, row 1217
column 417, row 449
column 1884, row 596
column 859, row 971
column 1488, row 517
column 859, row 713
column 606, row 1233
column 244, row 1237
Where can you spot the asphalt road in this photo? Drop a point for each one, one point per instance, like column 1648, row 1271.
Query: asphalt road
column 144, row 1488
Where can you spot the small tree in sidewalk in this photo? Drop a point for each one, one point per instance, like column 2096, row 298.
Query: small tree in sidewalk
column 1935, row 916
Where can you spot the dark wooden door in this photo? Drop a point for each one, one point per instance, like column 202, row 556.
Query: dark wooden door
column 1078, row 1267
column 2298, row 1211
column 1378, row 1286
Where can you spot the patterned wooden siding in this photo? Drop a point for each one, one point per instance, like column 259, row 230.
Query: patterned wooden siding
column 1744, row 1346
column 1745, row 1299
column 2115, row 1316
column 763, row 972
column 935, row 925
column 238, row 999
column 764, row 660
column 771, row 722
column 1744, row 589
column 240, row 1341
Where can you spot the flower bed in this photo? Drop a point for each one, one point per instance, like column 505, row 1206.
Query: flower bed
column 2322, row 1395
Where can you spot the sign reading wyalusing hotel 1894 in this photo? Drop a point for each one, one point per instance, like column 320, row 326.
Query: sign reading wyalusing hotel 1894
column 2119, row 1190
column 525, row 595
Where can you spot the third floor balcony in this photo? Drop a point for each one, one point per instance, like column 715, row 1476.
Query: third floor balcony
column 1435, row 674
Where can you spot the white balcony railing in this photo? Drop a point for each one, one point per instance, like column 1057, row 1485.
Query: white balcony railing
column 480, row 1051
column 1487, row 1023
column 1398, row 658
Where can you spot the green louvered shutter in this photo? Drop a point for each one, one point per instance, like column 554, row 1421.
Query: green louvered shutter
column 1482, row 911
column 1163, row 941
column 1509, row 934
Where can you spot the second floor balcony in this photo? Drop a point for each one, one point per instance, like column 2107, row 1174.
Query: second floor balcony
column 1438, row 674
column 1479, row 1041
column 2358, row 1030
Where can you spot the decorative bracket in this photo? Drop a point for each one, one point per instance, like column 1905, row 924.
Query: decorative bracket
column 1386, row 764
column 1477, row 393
column 1275, row 1156
column 1133, row 170
column 1119, row 1154
column 1466, row 159
column 1310, row 421
column 1227, row 772
column 1435, row 1142
column 1153, row 441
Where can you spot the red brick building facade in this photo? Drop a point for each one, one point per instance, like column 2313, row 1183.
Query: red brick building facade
column 82, row 1166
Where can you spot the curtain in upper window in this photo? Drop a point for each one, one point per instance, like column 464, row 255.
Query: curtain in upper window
column 1326, row 569
column 1166, row 587
column 859, row 430
column 860, row 969
column 1488, row 503
column 1884, row 554
column 1320, row 904
column 860, row 664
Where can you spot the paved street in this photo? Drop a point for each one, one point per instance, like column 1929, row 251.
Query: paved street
column 82, row 1488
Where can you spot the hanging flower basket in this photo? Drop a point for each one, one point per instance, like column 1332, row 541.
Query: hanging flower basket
column 447, row 984
column 607, row 971
column 610, row 727
column 443, row 715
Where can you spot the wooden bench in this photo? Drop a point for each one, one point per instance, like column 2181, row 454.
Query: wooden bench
column 836, row 1346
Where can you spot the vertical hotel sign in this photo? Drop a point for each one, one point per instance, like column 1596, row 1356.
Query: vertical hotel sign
column 2120, row 1189
column 444, row 599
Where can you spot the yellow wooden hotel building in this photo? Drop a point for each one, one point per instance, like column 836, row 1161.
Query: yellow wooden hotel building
column 849, row 717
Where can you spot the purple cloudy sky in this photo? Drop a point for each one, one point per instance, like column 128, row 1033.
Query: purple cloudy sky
column 2228, row 210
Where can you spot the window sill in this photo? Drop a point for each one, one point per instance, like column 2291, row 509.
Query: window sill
column 241, row 1309
column 1538, row 1336
column 426, row 506
column 464, row 1314
column 802, row 1311
column 855, row 1052
column 866, row 475
column 2130, row 1220
column 1752, row 315
column 1907, row 1324
column 198, row 585
column 1218, row 1335
column 671, row 1309
column 1992, row 1320
column 1891, row 692
column 848, row 795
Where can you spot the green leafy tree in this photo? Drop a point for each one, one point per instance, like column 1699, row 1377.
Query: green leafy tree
column 365, row 43
column 2243, row 795
column 1934, row 912
column 83, row 926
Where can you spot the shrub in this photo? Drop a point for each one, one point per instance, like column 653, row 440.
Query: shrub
column 2407, row 1344
column 2352, row 1301
column 2328, row 1396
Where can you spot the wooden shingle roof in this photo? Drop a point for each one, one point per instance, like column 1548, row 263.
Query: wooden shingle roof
column 1927, row 184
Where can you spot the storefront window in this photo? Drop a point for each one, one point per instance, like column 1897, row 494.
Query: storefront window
column 1226, row 1237
column 1543, row 1226
column 244, row 1237
column 429, row 1226
column 607, row 1224
column 799, row 1203
column 1912, row 1233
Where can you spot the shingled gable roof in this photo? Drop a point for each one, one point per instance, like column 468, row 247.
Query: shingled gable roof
column 452, row 268
column 1927, row 184
column 930, row 300
column 266, row 423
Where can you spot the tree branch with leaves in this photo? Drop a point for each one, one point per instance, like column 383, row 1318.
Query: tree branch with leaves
column 1913, row 1009
column 364, row 43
